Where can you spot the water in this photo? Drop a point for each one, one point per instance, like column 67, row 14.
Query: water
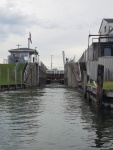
column 52, row 118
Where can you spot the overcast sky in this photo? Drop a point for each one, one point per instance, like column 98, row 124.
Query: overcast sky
column 55, row 26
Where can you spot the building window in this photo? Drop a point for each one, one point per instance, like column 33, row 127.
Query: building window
column 110, row 28
column 107, row 51
column 105, row 29
column 13, row 55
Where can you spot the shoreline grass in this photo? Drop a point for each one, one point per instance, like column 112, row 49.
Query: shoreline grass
column 4, row 73
column 107, row 85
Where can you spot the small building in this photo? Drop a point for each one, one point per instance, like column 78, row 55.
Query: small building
column 22, row 55
column 106, row 28
column 100, row 52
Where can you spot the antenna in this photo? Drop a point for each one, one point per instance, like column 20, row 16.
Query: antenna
column 29, row 40
column 18, row 46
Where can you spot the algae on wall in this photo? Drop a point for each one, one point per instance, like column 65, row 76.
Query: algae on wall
column 71, row 74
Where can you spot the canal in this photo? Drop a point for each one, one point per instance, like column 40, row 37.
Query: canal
column 53, row 118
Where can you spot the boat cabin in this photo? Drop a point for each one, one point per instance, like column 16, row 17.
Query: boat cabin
column 22, row 55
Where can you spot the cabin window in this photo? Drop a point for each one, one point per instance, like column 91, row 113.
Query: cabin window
column 13, row 55
column 105, row 29
column 107, row 51
column 110, row 28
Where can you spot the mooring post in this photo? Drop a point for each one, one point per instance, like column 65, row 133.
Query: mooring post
column 99, row 92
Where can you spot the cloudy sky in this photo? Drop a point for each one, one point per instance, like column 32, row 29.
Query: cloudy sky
column 55, row 26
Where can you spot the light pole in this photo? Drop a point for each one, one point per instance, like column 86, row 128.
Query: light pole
column 51, row 61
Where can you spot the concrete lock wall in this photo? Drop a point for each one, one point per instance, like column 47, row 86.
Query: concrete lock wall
column 32, row 75
column 65, row 74
column 107, row 62
column 72, row 74
column 42, row 76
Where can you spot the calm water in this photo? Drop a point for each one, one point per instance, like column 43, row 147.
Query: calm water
column 52, row 118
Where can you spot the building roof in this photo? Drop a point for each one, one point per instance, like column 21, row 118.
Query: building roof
column 107, row 20
column 28, row 50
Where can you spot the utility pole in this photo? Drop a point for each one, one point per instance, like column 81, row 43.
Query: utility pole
column 64, row 62
column 51, row 61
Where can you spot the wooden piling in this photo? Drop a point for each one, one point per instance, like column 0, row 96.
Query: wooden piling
column 99, row 91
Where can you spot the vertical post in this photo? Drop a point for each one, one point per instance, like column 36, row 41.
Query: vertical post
column 36, row 58
column 21, row 78
column 28, row 43
column 35, row 54
column 31, row 77
column 15, row 79
column 84, row 83
column 51, row 66
column 38, row 72
column 88, row 44
column 8, row 77
column 28, row 58
column 64, row 61
column 99, row 49
column 100, row 75
column 51, row 61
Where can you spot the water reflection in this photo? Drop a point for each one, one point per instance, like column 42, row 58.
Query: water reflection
column 19, row 111
column 87, row 117
column 53, row 118
column 100, row 121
